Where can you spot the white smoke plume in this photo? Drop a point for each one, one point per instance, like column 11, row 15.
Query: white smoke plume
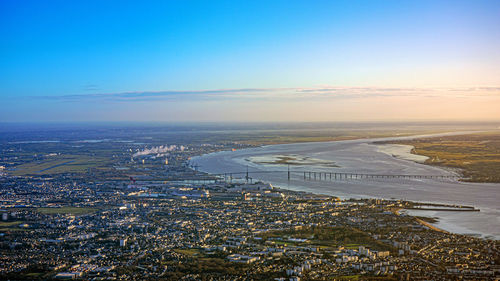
column 159, row 150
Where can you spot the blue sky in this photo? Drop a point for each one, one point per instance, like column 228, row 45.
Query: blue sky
column 249, row 60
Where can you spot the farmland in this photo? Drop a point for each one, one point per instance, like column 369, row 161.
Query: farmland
column 476, row 155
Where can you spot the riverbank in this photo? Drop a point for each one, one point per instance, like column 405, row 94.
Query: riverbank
column 430, row 226
column 476, row 155
column 361, row 156
column 401, row 151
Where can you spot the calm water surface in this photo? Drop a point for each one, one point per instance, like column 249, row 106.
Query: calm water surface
column 361, row 156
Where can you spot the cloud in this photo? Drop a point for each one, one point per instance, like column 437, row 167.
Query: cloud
column 324, row 92
column 90, row 87
column 154, row 95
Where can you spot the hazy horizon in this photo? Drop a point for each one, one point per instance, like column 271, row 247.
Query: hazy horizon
column 7, row 129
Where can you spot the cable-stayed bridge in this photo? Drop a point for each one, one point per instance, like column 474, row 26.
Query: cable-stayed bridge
column 325, row 176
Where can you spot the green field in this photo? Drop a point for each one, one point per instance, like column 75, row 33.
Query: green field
column 11, row 226
column 11, row 223
column 325, row 237
column 188, row 252
column 67, row 210
column 321, row 136
column 477, row 155
column 60, row 164
column 362, row 277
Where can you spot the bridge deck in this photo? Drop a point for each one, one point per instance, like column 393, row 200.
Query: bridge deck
column 310, row 175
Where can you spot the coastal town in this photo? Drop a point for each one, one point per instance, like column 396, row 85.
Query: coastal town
column 113, row 209
column 250, row 140
column 222, row 231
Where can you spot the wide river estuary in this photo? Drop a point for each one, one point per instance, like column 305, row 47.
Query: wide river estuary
column 362, row 156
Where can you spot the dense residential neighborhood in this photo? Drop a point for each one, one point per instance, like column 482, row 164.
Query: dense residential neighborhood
column 222, row 231
column 290, row 140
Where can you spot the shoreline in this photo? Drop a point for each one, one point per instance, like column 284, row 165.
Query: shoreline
column 421, row 221
column 429, row 225
column 343, row 189
column 433, row 149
